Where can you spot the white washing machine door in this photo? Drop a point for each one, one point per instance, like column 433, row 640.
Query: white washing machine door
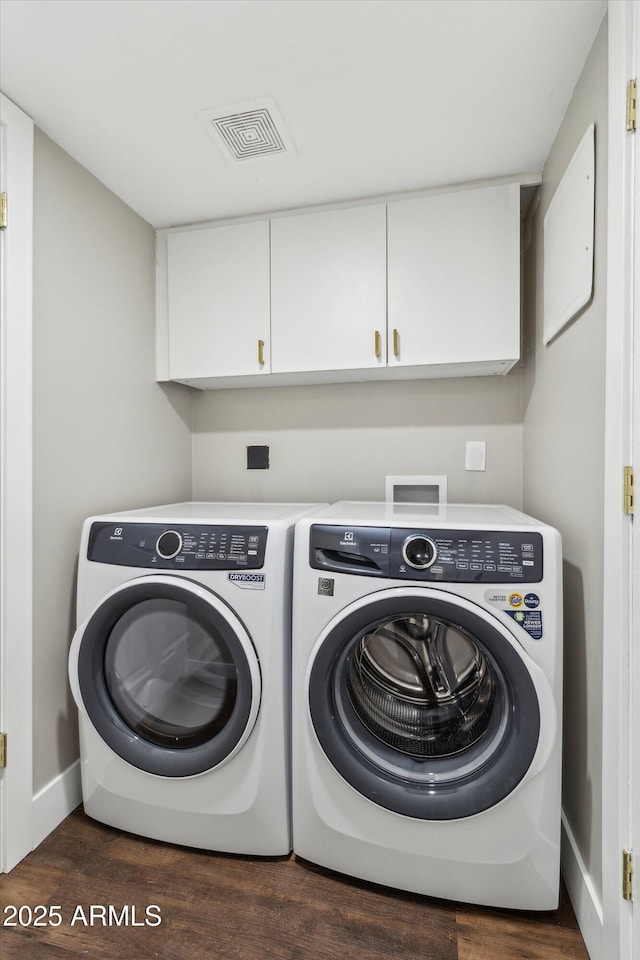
column 426, row 704
column 168, row 676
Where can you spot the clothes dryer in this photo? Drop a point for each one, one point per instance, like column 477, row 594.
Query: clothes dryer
column 180, row 668
column 427, row 655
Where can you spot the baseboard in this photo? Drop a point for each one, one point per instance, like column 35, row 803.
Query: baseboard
column 582, row 893
column 55, row 802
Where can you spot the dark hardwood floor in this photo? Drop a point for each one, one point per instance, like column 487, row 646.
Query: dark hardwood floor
column 219, row 907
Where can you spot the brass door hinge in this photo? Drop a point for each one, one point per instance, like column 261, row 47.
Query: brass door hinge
column 627, row 875
column 632, row 88
column 4, row 216
column 3, row 749
column 628, row 491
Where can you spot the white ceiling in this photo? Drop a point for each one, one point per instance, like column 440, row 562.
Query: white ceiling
column 377, row 96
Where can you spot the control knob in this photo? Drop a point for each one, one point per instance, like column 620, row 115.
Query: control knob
column 419, row 551
column 169, row 544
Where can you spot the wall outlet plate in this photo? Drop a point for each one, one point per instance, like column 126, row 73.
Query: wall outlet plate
column 475, row 455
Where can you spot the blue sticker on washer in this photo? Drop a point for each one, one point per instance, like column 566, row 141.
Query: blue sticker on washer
column 532, row 600
column 529, row 620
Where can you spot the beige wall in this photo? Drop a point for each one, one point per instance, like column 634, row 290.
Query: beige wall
column 340, row 441
column 106, row 436
column 563, row 462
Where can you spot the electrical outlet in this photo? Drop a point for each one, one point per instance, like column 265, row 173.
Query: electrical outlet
column 475, row 455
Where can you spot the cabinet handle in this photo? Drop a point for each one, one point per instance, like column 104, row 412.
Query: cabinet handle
column 396, row 343
column 261, row 352
column 378, row 345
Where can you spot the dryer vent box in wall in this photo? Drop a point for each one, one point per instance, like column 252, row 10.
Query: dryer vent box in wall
column 416, row 489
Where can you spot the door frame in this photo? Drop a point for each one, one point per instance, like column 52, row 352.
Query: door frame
column 620, row 726
column 634, row 595
column 635, row 558
column 16, row 500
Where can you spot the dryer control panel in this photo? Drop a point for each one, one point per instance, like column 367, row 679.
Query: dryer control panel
column 180, row 546
column 434, row 555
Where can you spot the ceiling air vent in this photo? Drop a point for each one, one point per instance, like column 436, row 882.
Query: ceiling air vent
column 248, row 130
column 250, row 134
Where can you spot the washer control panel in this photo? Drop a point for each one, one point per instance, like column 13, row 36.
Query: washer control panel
column 186, row 546
column 446, row 556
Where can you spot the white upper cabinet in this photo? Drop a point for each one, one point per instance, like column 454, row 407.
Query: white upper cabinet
column 420, row 287
column 218, row 301
column 328, row 290
column 454, row 279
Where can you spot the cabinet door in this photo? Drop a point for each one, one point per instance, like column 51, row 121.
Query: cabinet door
column 328, row 290
column 454, row 277
column 218, row 301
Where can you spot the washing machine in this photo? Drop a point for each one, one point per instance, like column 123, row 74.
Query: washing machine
column 180, row 669
column 426, row 711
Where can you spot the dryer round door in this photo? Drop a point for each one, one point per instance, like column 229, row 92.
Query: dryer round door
column 426, row 704
column 168, row 676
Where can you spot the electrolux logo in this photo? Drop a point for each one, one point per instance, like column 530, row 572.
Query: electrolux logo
column 349, row 539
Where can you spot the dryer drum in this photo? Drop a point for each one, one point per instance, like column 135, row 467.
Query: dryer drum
column 421, row 685
column 170, row 674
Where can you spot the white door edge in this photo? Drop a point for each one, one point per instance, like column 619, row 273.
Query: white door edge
column 16, row 501
column 634, row 639
column 617, row 736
